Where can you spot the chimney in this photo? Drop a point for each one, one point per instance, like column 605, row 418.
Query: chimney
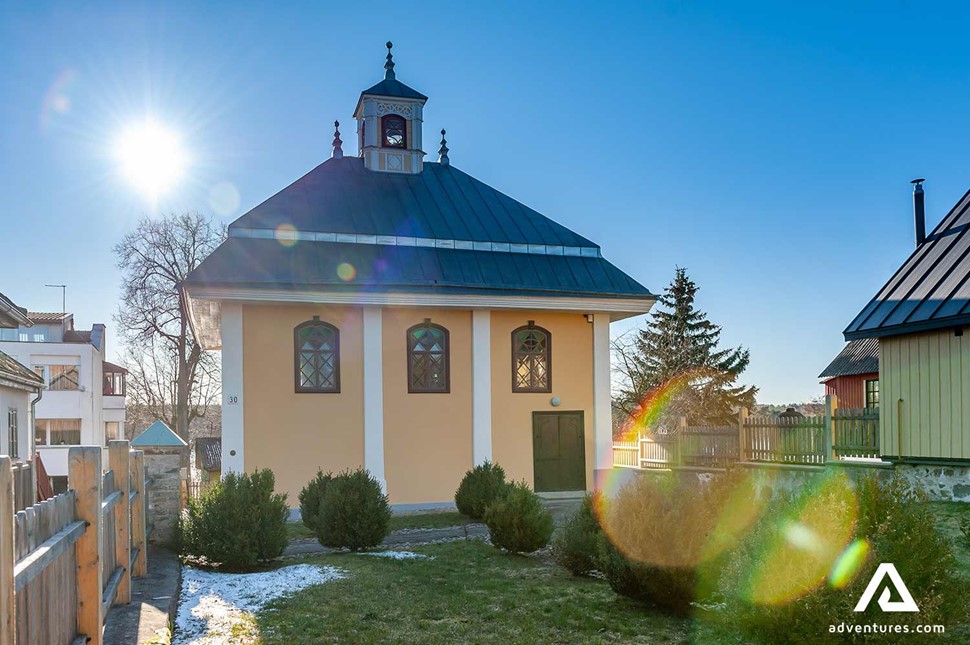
column 919, row 211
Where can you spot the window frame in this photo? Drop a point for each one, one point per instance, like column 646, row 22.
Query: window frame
column 411, row 343
column 63, row 377
column 13, row 433
column 404, row 132
column 302, row 389
column 515, row 355
column 866, row 392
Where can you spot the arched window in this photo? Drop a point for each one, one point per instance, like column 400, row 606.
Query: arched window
column 428, row 358
column 317, row 356
column 394, row 131
column 531, row 359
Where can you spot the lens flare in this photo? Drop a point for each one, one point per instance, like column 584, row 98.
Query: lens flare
column 806, row 543
column 286, row 235
column 848, row 564
column 151, row 157
column 57, row 99
column 346, row 271
column 224, row 198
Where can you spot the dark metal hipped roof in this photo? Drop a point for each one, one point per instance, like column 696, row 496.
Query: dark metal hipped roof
column 341, row 196
column 857, row 357
column 931, row 290
column 262, row 263
column 395, row 89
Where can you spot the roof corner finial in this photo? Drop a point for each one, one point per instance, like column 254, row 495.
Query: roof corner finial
column 338, row 151
column 443, row 150
column 389, row 65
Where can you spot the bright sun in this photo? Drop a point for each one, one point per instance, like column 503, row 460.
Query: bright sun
column 151, row 157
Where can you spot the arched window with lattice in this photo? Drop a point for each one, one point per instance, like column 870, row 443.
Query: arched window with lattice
column 428, row 358
column 317, row 356
column 531, row 359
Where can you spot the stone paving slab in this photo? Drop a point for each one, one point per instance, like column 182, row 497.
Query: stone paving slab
column 153, row 602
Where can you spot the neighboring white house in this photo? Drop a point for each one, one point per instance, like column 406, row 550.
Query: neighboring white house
column 19, row 387
column 84, row 396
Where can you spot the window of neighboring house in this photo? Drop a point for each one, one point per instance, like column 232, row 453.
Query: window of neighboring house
column 114, row 383
column 531, row 359
column 9, row 334
column 63, row 377
column 317, row 356
column 13, row 436
column 111, row 431
column 37, row 333
column 428, row 358
column 40, row 434
column 872, row 393
column 63, row 432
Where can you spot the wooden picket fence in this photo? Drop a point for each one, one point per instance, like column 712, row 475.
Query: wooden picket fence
column 24, row 482
column 842, row 433
column 65, row 561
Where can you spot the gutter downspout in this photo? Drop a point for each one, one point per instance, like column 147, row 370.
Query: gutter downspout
column 32, row 439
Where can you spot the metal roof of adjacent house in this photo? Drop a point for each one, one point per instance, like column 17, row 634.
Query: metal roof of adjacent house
column 857, row 357
column 344, row 227
column 12, row 371
column 931, row 290
column 158, row 434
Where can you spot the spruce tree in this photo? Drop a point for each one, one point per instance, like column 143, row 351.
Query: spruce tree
column 677, row 355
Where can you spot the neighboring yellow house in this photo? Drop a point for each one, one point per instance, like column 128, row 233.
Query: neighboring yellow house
column 920, row 317
column 399, row 314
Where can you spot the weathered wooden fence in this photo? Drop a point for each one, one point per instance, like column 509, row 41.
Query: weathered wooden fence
column 68, row 559
column 24, row 481
column 808, row 440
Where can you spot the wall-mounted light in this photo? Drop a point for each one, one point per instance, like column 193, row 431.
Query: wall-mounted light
column 555, row 401
column 589, row 318
column 958, row 332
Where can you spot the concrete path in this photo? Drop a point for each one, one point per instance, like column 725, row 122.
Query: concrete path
column 560, row 509
column 153, row 602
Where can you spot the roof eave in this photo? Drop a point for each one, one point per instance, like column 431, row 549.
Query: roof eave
column 909, row 328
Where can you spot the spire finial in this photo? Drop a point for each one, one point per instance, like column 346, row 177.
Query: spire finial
column 389, row 65
column 338, row 151
column 443, row 150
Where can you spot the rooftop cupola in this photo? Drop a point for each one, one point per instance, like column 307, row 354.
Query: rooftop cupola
column 389, row 117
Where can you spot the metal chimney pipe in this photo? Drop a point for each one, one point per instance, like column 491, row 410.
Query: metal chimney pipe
column 919, row 211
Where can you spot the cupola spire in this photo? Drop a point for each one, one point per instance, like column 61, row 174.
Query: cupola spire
column 389, row 65
column 338, row 151
column 443, row 150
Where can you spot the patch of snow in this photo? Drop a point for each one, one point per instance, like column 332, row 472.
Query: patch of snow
column 398, row 555
column 212, row 605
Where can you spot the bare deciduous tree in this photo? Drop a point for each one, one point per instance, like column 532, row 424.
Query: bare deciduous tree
column 169, row 372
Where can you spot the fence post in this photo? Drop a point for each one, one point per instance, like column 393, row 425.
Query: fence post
column 138, row 540
column 679, row 441
column 118, row 461
column 743, row 452
column 85, row 478
column 831, row 404
column 8, row 610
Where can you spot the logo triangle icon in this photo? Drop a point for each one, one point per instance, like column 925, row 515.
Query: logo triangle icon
column 906, row 602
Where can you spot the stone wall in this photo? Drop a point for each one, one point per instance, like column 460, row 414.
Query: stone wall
column 163, row 483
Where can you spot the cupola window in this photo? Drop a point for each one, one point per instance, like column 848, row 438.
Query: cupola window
column 394, row 131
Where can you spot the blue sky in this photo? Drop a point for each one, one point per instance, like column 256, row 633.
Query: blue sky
column 766, row 148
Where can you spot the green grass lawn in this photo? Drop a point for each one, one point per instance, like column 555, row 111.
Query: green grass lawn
column 430, row 520
column 948, row 516
column 470, row 592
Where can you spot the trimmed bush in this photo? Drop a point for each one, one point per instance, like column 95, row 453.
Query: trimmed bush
column 575, row 546
column 478, row 488
column 238, row 522
column 661, row 533
column 517, row 522
column 310, row 498
column 777, row 592
column 353, row 512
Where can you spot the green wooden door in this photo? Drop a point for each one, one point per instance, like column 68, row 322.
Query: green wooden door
column 559, row 450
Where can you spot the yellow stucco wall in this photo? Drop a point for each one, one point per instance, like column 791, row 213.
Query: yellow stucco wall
column 295, row 434
column 931, row 374
column 427, row 437
column 572, row 382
